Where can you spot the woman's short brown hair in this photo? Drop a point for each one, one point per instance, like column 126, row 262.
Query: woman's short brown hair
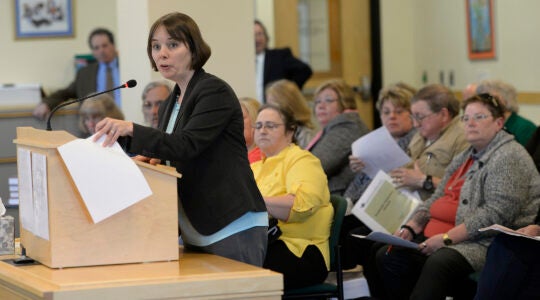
column 182, row 28
column 287, row 94
column 346, row 97
column 398, row 96
column 102, row 106
column 492, row 103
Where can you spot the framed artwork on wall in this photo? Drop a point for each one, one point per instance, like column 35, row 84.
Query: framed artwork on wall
column 480, row 33
column 43, row 18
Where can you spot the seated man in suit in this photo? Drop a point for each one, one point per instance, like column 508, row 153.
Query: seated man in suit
column 99, row 76
column 275, row 64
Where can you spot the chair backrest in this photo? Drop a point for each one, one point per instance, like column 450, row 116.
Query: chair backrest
column 340, row 206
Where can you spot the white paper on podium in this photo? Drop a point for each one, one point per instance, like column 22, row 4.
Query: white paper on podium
column 33, row 197
column 384, row 208
column 379, row 151
column 40, row 196
column 106, row 178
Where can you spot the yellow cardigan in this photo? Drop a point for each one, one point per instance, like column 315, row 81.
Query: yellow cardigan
column 298, row 172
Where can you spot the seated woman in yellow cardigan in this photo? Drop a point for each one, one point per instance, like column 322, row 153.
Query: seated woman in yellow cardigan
column 295, row 190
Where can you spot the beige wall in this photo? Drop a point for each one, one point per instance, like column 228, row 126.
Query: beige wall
column 49, row 61
column 430, row 35
column 227, row 26
column 417, row 35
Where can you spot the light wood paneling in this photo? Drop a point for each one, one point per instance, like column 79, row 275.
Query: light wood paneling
column 193, row 276
column 352, row 34
column 356, row 49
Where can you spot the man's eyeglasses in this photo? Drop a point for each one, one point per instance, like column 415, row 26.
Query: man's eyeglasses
column 267, row 125
column 150, row 105
column 326, row 101
column 475, row 117
column 420, row 118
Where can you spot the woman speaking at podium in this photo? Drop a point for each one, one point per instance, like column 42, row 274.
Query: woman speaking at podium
column 200, row 132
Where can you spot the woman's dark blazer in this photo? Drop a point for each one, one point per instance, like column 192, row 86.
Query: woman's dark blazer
column 207, row 147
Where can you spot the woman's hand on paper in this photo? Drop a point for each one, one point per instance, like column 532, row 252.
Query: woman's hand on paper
column 114, row 129
column 356, row 164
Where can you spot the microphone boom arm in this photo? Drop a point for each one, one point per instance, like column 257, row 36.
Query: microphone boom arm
column 131, row 83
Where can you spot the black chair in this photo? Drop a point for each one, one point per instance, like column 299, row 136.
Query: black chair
column 327, row 290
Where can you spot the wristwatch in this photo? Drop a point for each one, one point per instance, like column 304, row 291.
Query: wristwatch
column 428, row 183
column 446, row 239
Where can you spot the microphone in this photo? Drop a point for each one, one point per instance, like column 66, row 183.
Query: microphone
column 131, row 83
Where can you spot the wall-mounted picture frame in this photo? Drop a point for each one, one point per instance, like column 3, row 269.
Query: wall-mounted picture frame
column 480, row 32
column 43, row 18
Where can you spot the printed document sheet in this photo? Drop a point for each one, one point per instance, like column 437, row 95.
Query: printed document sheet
column 379, row 151
column 107, row 179
column 385, row 238
column 33, row 198
column 509, row 231
column 384, row 208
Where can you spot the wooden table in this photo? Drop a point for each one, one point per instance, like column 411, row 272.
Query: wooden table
column 194, row 276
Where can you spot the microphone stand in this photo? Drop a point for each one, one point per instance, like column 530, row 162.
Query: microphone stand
column 129, row 84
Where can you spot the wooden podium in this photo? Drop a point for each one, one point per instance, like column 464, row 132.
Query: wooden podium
column 144, row 232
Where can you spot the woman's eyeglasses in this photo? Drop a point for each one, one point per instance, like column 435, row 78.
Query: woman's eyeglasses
column 326, row 101
column 475, row 117
column 267, row 125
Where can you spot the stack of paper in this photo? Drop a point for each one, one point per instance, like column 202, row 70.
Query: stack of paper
column 13, row 183
column 354, row 283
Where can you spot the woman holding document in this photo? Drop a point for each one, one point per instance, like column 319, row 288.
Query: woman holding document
column 394, row 106
column 494, row 181
column 200, row 132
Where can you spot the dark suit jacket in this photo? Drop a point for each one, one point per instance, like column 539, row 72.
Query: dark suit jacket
column 281, row 64
column 208, row 148
column 85, row 83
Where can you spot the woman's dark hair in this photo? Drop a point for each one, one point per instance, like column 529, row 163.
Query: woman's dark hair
column 286, row 115
column 492, row 103
column 182, row 28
